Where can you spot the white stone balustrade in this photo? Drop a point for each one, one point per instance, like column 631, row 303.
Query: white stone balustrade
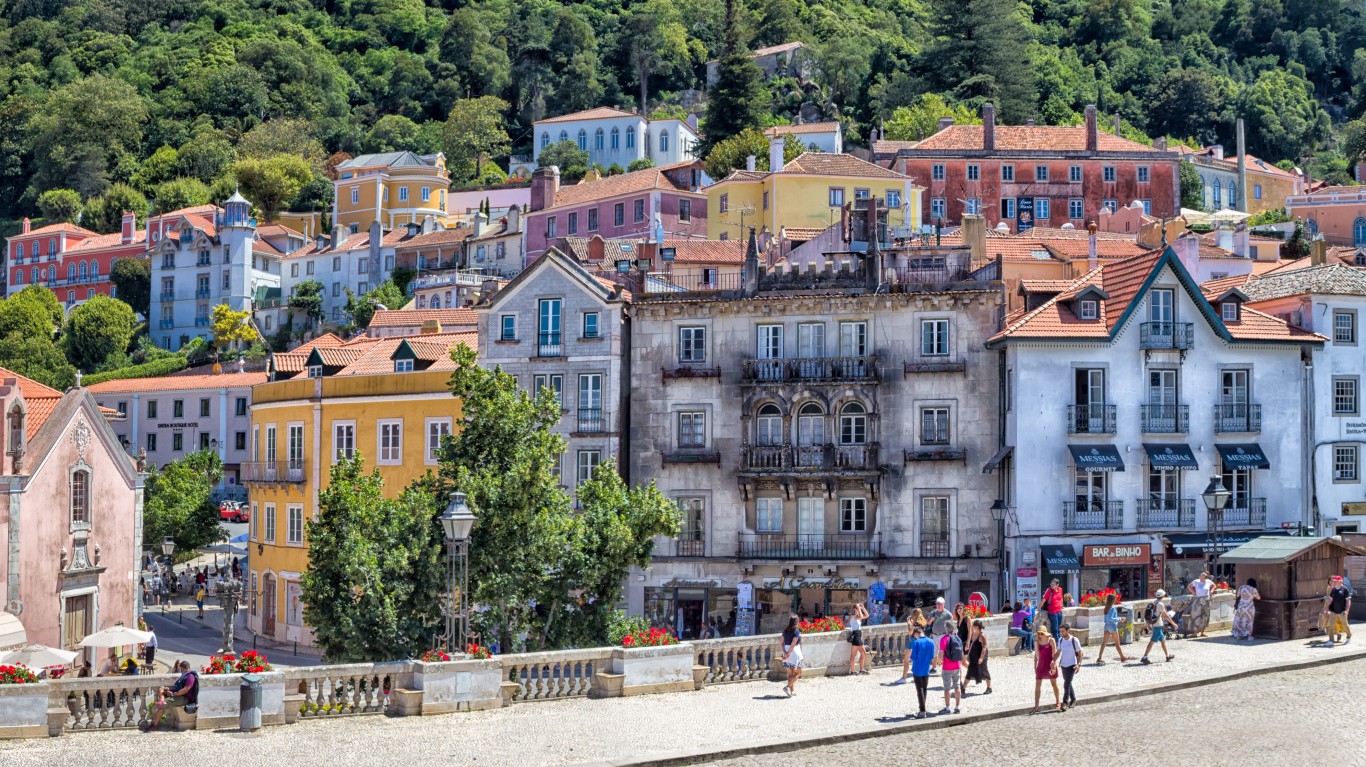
column 553, row 675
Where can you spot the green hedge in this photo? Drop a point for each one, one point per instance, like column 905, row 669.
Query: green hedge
column 152, row 369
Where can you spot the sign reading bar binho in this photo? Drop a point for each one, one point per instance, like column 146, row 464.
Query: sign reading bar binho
column 1116, row 555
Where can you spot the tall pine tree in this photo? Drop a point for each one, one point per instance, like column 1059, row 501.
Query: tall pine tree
column 738, row 99
column 981, row 53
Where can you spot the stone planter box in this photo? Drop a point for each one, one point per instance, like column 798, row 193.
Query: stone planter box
column 459, row 685
column 1221, row 606
column 823, row 654
column 23, row 711
column 646, row 670
column 220, row 698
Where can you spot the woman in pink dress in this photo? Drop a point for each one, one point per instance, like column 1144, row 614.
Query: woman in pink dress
column 1045, row 666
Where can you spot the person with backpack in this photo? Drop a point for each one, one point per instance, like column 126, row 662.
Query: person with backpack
column 1069, row 660
column 951, row 653
column 921, row 658
column 183, row 694
column 1158, row 619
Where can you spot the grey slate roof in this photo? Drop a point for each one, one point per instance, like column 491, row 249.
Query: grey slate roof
column 1328, row 279
column 390, row 160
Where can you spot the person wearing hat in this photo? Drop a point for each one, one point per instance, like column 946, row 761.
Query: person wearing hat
column 1158, row 618
column 938, row 625
column 1337, row 602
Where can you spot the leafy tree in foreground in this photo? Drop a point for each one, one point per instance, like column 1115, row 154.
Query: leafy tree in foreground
column 104, row 214
column 180, row 193
column 98, row 332
column 308, row 300
column 361, row 308
column 920, row 119
column 474, row 134
column 34, row 312
column 230, row 327
column 60, row 205
column 38, row 358
column 732, row 153
column 1192, row 188
column 177, row 502
column 132, row 278
column 737, row 100
column 572, row 161
column 272, row 182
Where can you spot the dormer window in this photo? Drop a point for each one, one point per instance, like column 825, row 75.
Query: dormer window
column 315, row 371
column 403, row 366
column 1230, row 311
column 1089, row 310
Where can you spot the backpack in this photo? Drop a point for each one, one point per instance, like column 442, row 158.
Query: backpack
column 953, row 651
column 1150, row 613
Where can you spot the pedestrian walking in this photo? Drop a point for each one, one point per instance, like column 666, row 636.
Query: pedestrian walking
column 1112, row 620
column 951, row 663
column 1051, row 602
column 1246, row 611
column 1020, row 627
column 1158, row 619
column 1336, row 604
column 149, row 650
column 1069, row 661
column 792, row 655
column 1045, row 666
column 921, row 658
column 978, row 653
column 913, row 629
column 938, row 621
column 1201, row 588
column 858, row 654
column 199, row 600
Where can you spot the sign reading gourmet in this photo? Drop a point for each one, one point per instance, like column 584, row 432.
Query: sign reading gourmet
column 1096, row 457
column 1116, row 555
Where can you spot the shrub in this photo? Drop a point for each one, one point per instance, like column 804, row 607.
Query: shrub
column 161, row 367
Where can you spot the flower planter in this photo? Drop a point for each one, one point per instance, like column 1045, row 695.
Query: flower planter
column 23, row 711
column 997, row 630
column 220, row 697
column 823, row 654
column 1221, row 607
column 458, row 685
column 646, row 670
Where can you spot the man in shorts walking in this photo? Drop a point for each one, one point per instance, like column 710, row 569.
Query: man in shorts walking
column 1158, row 619
column 1337, row 603
column 951, row 652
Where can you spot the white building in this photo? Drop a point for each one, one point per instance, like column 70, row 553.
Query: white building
column 617, row 137
column 1126, row 390
column 819, row 137
column 345, row 261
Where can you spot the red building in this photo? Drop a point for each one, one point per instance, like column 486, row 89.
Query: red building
column 71, row 261
column 1027, row 175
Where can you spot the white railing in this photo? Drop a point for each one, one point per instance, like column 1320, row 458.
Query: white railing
column 359, row 688
column 554, row 675
column 736, row 659
column 107, row 703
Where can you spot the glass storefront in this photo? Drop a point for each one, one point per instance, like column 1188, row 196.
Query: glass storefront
column 1130, row 582
column 684, row 610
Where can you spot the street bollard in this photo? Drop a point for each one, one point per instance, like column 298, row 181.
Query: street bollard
column 250, row 704
column 296, row 648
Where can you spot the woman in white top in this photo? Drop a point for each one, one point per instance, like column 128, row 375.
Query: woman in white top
column 858, row 653
column 792, row 655
column 1069, row 660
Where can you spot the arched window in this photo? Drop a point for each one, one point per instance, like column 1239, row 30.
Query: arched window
column 616, row 138
column 18, row 276
column 1360, row 259
column 768, row 426
column 16, row 428
column 436, row 301
column 71, row 272
column 35, row 274
column 631, row 137
column 597, row 140
column 84, row 271
column 1312, row 227
column 1359, row 232
column 19, row 253
column 95, row 269
column 853, row 424
column 545, row 139
column 663, row 141
column 1232, row 194
column 52, row 247
column 810, row 435
column 80, row 497
column 583, row 140
column 564, row 135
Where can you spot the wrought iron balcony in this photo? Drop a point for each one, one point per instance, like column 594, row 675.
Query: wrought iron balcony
column 1166, row 513
column 1090, row 419
column 935, row 549
column 810, row 546
column 167, row 324
column 1165, row 419
column 1093, row 515
column 1161, row 336
column 273, row 471
column 590, row 420
column 689, row 548
column 1235, row 418
column 810, row 370
column 167, row 295
column 810, row 458
column 549, row 345
column 1245, row 512
column 201, row 322
column 201, row 293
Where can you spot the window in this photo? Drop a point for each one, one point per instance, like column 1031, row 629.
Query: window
column 438, row 429
column 1041, row 173
column 152, row 443
column 1346, row 463
column 555, row 383
column 178, row 408
column 227, row 279
column 853, row 339
column 151, row 408
column 1107, row 173
column 270, row 443
column 1345, row 396
column 974, row 206
column 588, row 460
column 240, row 406
column 938, row 207
column 692, row 429
column 204, row 407
column 836, row 196
column 893, row 198
column 255, row 525
column 1344, row 327
column 294, row 521
column 974, row 172
column 390, row 441
column 1074, row 174
column 934, row 426
column 861, row 194
column 1042, row 210
column 315, row 371
column 590, row 401
column 1256, row 191
column 362, row 266
column 336, row 263
column 545, row 140
column 1008, row 209
column 663, row 141
column 239, row 440
column 934, row 526
column 810, row 340
column 1007, row 172
column 937, row 172
column 295, row 446
column 178, row 442
column 1089, row 310
column 355, row 195
column 1110, row 205
column 592, row 227
column 1075, row 209
column 80, row 498
column 630, row 137
column 616, row 139
column 770, row 342
column 590, row 325
column 1147, row 207
column 293, row 270
column 768, row 515
column 269, row 523
column 768, row 426
column 619, row 214
column 551, row 227
column 725, row 203
column 638, row 209
column 853, row 515
column 583, row 139
column 854, row 424
column 934, row 337
column 403, row 194
column 573, row 229
column 692, row 344
column 343, row 440
column 684, row 211
column 509, row 328
column 1229, row 311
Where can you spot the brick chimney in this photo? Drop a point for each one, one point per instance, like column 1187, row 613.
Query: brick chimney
column 1091, row 127
column 988, row 127
column 27, row 227
column 1092, row 248
column 130, row 226
column 945, row 122
column 545, row 184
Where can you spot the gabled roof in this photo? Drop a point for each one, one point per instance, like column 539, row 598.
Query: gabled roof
column 432, row 239
column 1326, row 279
column 891, row 146
column 789, row 130
column 645, row 180
column 596, row 113
column 176, row 382
column 707, row 251
column 1016, row 138
column 390, row 160
column 102, row 241
column 831, row 164
column 403, row 318
column 430, row 352
column 779, row 48
column 553, row 258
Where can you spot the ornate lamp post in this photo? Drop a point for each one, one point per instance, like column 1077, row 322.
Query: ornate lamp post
column 998, row 513
column 1216, row 497
column 457, row 522
column 168, row 546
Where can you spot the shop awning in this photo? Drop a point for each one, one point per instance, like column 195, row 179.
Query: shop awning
column 1170, row 456
column 1096, row 457
column 1246, row 455
column 1198, row 543
column 995, row 462
column 1060, row 559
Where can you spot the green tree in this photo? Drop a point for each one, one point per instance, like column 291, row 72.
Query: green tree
column 566, row 155
column 155, row 170
column 32, row 312
column 283, row 137
column 1192, row 188
column 272, row 182
column 640, row 163
column 474, row 133
column 180, row 193
column 104, row 214
column 1354, row 141
column 230, row 327
column 98, row 330
column 1283, row 119
column 60, row 205
column 980, row 51
column 177, row 503
column 393, row 133
column 360, row 309
column 920, row 119
column 38, row 358
column 206, row 156
column 732, row 153
column 842, row 67
column 132, row 278
column 574, row 54
column 656, row 43
column 373, row 589
column 85, row 132
column 737, row 100
column 308, row 301
column 1189, row 102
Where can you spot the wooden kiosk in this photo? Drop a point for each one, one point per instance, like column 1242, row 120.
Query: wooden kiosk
column 1292, row 576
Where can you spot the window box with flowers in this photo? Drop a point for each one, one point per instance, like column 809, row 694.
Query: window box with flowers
column 23, row 703
column 655, row 661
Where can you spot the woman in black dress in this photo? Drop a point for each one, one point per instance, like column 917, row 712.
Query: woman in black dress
column 977, row 657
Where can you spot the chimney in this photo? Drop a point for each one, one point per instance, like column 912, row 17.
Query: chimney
column 1092, row 248
column 479, row 223
column 487, row 289
column 1217, row 151
column 514, row 219
column 1241, row 244
column 27, row 227
column 988, row 127
column 1223, row 238
column 428, row 224
column 1160, row 143
column 692, row 121
column 1029, row 122
column 545, row 184
column 975, row 235
column 775, row 153
column 945, row 122
column 595, row 249
column 339, row 235
column 1090, row 127
column 429, row 327
column 1187, row 250
column 750, row 272
column 1116, row 125
column 130, row 225
column 1242, row 168
column 1318, row 251
column 749, row 163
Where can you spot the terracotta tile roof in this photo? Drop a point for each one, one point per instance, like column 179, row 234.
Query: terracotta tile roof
column 1074, row 249
column 802, row 233
column 39, row 410
column 788, row 130
column 707, row 251
column 276, row 230
column 781, row 47
column 500, row 230
column 174, row 382
column 309, row 249
column 291, row 362
column 339, row 356
column 101, row 241
column 1045, row 286
column 597, row 113
column 612, row 250
column 745, row 175
column 433, row 349
column 326, row 339
column 441, row 237
column 1339, row 189
column 1058, row 233
column 1017, row 138
column 1324, row 279
column 890, row 146
column 613, row 186
column 40, row 399
column 830, row 164
column 1217, row 287
column 392, row 318
column 57, row 228
column 265, row 248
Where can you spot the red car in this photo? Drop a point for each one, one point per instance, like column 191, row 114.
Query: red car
column 233, row 511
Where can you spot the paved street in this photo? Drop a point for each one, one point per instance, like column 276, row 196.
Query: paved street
column 566, row 732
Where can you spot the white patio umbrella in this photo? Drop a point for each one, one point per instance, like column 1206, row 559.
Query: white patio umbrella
column 116, row 636
column 38, row 656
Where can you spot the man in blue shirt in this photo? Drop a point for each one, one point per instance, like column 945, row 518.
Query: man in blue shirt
column 922, row 658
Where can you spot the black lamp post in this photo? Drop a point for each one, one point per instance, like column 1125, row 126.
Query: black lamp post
column 1216, row 497
column 457, row 522
column 998, row 513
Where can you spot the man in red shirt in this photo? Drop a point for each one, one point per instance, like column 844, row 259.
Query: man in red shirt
column 1051, row 602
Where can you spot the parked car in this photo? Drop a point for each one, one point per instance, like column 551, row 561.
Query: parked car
column 233, row 511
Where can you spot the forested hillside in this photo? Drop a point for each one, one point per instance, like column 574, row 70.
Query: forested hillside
column 160, row 97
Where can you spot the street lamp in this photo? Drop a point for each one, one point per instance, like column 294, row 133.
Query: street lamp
column 168, row 546
column 1216, row 497
column 456, row 522
column 998, row 513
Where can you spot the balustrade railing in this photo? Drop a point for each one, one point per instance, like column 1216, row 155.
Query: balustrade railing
column 554, row 675
column 330, row 691
column 810, row 369
column 886, row 644
column 108, row 703
column 736, row 659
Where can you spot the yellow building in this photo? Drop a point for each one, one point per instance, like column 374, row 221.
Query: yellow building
column 393, row 188
column 807, row 193
column 386, row 399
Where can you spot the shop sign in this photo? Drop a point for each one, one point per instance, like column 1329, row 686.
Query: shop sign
column 789, row 583
column 917, row 586
column 1353, row 509
column 1027, row 584
column 684, row 583
column 1116, row 555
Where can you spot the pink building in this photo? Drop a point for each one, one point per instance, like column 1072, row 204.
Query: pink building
column 662, row 202
column 73, row 520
